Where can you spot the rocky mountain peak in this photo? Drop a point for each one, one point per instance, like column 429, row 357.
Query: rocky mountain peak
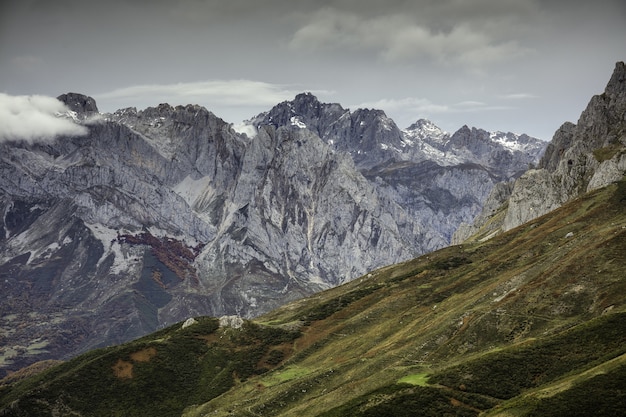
column 179, row 113
column 602, row 124
column 464, row 130
column 581, row 157
column 426, row 133
column 306, row 104
column 304, row 111
column 368, row 135
column 617, row 83
column 377, row 120
column 422, row 124
column 561, row 141
column 367, row 113
column 79, row 103
column 471, row 138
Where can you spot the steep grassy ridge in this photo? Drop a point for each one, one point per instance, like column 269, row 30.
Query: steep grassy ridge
column 458, row 306
column 521, row 324
column 158, row 375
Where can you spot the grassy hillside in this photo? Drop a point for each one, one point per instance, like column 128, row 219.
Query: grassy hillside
column 529, row 323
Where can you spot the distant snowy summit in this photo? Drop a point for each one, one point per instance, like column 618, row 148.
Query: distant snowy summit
column 372, row 138
column 425, row 130
column 440, row 179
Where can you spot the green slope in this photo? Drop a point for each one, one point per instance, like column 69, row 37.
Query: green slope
column 531, row 322
column 158, row 375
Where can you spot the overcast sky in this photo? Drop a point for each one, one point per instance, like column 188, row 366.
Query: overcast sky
column 524, row 66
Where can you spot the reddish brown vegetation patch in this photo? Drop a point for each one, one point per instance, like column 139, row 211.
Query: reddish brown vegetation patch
column 276, row 355
column 143, row 355
column 157, row 277
column 123, row 369
column 172, row 253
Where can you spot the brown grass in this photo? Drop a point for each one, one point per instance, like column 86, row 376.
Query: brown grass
column 123, row 369
column 143, row 355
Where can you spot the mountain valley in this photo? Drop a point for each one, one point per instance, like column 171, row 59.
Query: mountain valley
column 167, row 213
column 110, row 235
column 528, row 323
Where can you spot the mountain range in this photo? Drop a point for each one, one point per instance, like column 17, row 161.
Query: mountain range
column 518, row 320
column 166, row 213
column 440, row 179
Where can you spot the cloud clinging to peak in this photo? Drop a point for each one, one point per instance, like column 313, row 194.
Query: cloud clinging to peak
column 34, row 118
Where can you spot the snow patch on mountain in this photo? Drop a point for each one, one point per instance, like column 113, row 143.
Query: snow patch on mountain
column 193, row 190
column 511, row 141
column 296, row 121
column 123, row 261
column 425, row 130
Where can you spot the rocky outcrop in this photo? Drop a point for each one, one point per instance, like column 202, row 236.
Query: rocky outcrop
column 79, row 103
column 233, row 322
column 189, row 322
column 581, row 157
column 590, row 156
column 440, row 180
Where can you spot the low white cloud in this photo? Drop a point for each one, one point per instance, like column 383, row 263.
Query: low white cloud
column 518, row 96
column 232, row 100
column 226, row 92
column 470, row 104
column 245, row 128
column 35, row 118
column 398, row 38
column 408, row 104
column 424, row 106
column 477, row 106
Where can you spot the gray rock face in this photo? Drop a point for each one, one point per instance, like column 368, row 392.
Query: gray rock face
column 507, row 154
column 359, row 133
column 168, row 213
column 79, row 103
column 234, row 322
column 591, row 156
column 580, row 158
column 441, row 180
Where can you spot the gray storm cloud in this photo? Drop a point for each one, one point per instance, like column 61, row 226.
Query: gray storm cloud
column 398, row 37
column 35, row 118
column 525, row 66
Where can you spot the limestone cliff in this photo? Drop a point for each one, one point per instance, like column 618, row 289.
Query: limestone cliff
column 441, row 180
column 166, row 213
column 580, row 158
